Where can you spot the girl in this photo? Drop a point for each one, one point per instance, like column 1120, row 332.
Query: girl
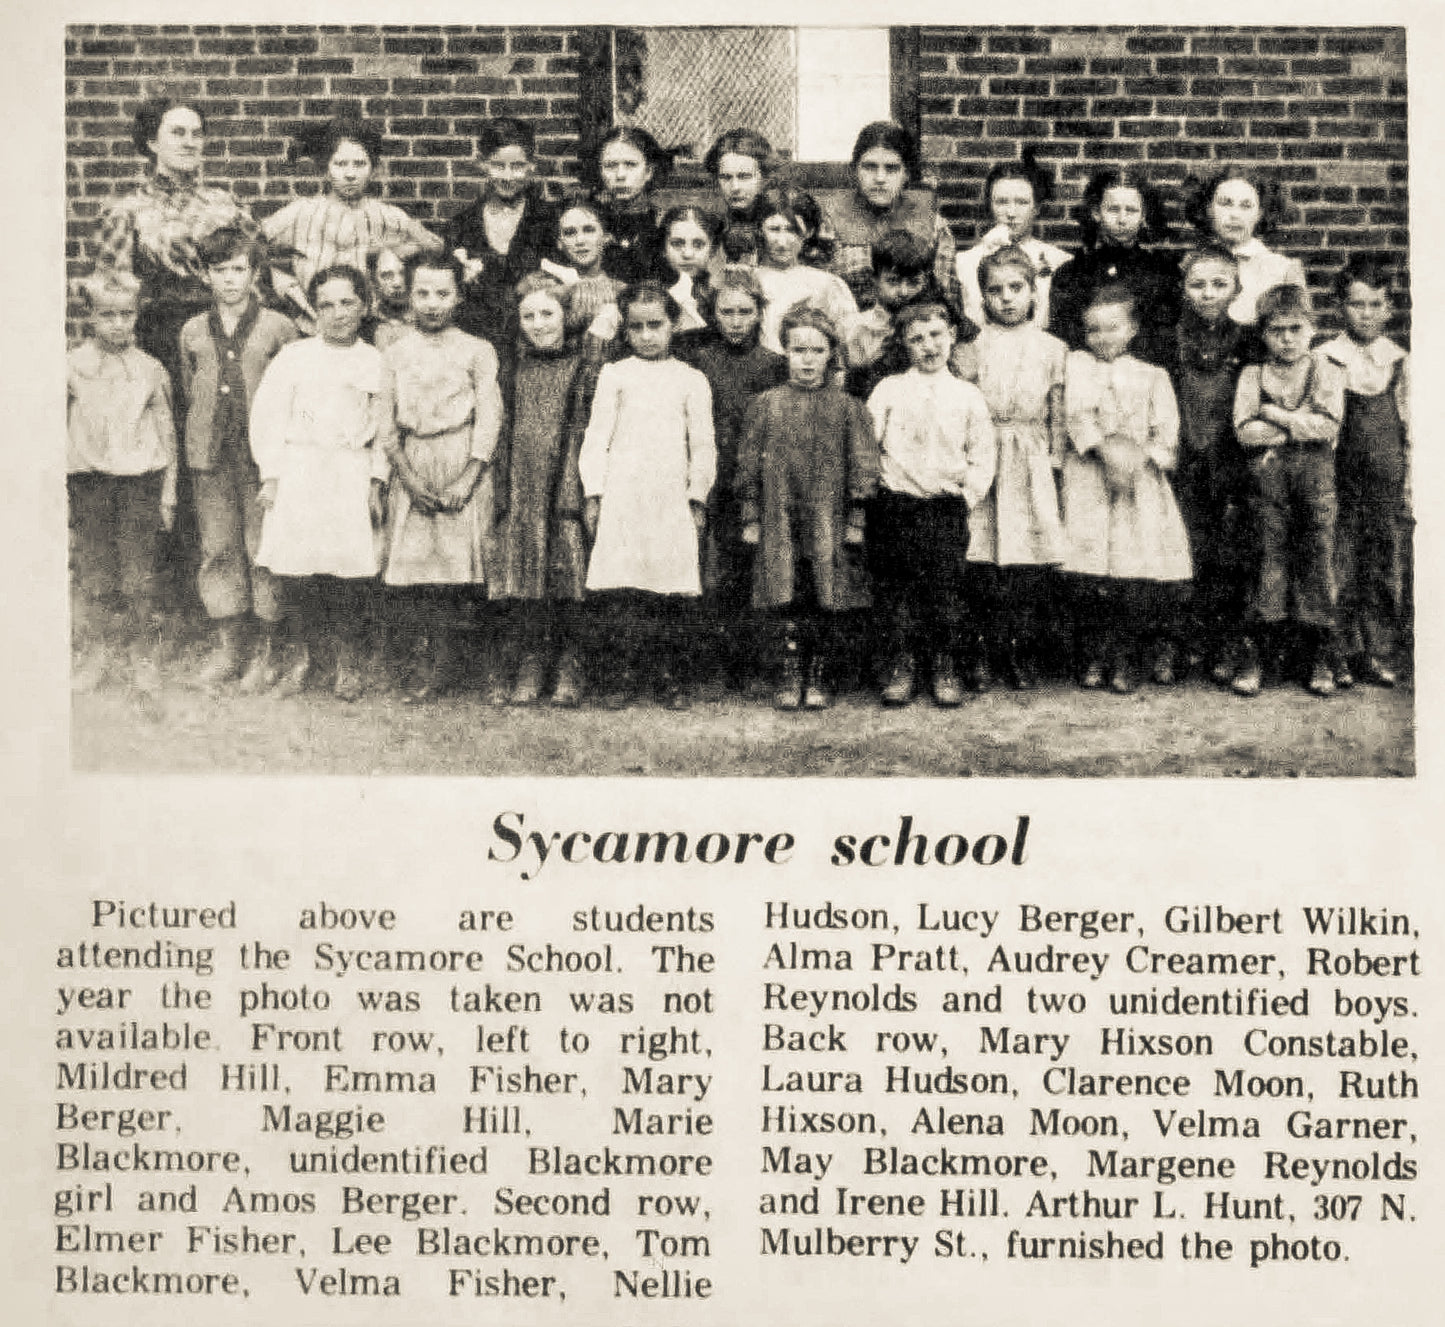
column 542, row 560
column 582, row 241
column 342, row 224
column 1016, row 533
column 1014, row 192
column 448, row 415
column 740, row 163
column 629, row 166
column 807, row 464
column 737, row 367
column 1126, row 539
column 647, row 465
column 689, row 237
column 1120, row 213
column 390, row 315
column 317, row 424
column 501, row 236
column 1237, row 207
column 885, row 163
column 791, row 219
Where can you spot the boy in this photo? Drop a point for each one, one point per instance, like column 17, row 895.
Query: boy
column 902, row 274
column 937, row 456
column 1210, row 351
column 120, row 480
column 223, row 354
column 1287, row 415
column 1372, row 473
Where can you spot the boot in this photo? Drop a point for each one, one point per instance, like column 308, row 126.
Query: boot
column 898, row 689
column 1121, row 675
column 227, row 657
column 1377, row 672
column 1322, row 674
column 1222, row 670
column 979, row 677
column 1248, row 672
column 1163, row 670
column 499, row 663
column 1018, row 668
column 296, row 673
column 348, row 676
column 946, row 690
column 816, row 695
column 567, row 693
column 261, row 673
column 531, row 674
column 789, row 692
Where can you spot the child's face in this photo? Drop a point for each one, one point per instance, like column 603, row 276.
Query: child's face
column 895, row 290
column 390, row 278
column 881, row 176
column 338, row 312
column 1234, row 212
column 434, row 297
column 1210, row 287
column 1108, row 331
column 740, row 179
column 625, row 172
column 1008, row 295
column 112, row 320
column 1367, row 311
column 1287, row 337
column 929, row 342
column 582, row 239
column 808, row 353
column 688, row 247
column 649, row 329
column 1012, row 204
column 1119, row 215
column 230, row 281
column 782, row 240
column 542, row 320
column 737, row 315
column 508, row 171
column 349, row 170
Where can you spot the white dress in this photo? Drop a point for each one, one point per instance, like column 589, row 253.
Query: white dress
column 1046, row 258
column 1136, row 536
column 784, row 288
column 1259, row 269
column 316, row 424
column 648, row 453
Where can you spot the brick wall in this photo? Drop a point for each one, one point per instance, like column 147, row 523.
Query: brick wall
column 1323, row 108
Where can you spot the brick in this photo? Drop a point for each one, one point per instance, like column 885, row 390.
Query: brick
column 1017, row 45
column 1214, row 128
column 450, row 64
column 89, row 110
column 107, row 46
column 1083, row 129
column 1255, row 151
column 1155, row 127
column 295, row 87
column 1122, row 67
column 1309, row 68
column 1155, row 45
column 347, row 43
column 1055, row 107
column 1019, row 87
column 1219, row 45
column 1099, row 44
column 416, row 128
column 945, row 129
column 1256, row 68
column 1055, row 65
column 262, row 65
column 1322, row 106
column 287, row 45
column 161, row 46
column 950, row 43
column 1122, row 106
column 1187, row 65
column 522, row 43
column 988, row 64
column 1313, row 150
column 936, row 106
column 1347, row 129
column 989, row 106
column 1155, row 87
column 1255, row 110
column 1198, row 107
column 396, row 106
column 1353, row 87
column 112, row 87
column 407, row 168
column 1372, row 151
column 1182, row 148
column 273, row 106
column 540, row 86
column 421, row 86
column 1221, row 87
column 474, row 85
column 1288, row 45
column 476, row 45
column 1371, row 44
column 1113, row 151
column 1085, row 87
column 413, row 45
column 326, row 65
column 1016, row 128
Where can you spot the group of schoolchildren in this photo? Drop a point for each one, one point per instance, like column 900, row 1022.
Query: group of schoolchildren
column 710, row 476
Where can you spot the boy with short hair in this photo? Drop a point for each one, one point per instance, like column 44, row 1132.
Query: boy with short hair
column 1372, row 474
column 902, row 274
column 1287, row 416
column 937, row 457
column 120, row 481
column 223, row 355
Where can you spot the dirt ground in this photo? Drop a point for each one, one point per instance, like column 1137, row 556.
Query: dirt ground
column 1194, row 730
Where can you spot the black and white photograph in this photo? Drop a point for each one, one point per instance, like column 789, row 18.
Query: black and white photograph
column 745, row 401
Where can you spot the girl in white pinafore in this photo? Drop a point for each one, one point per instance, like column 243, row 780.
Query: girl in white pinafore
column 647, row 464
column 317, row 421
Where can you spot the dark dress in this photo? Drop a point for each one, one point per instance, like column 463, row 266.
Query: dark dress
column 542, row 554
column 1152, row 276
column 635, row 253
column 489, row 304
column 736, row 374
column 807, row 461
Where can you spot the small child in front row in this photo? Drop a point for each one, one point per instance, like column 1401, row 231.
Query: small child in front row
column 223, row 355
column 937, row 456
column 542, row 555
column 737, row 367
column 807, row 466
column 440, row 544
column 1126, row 539
column 1372, row 475
column 647, row 464
column 1018, row 532
column 121, row 484
column 317, row 424
column 1287, row 416
column 1209, row 352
